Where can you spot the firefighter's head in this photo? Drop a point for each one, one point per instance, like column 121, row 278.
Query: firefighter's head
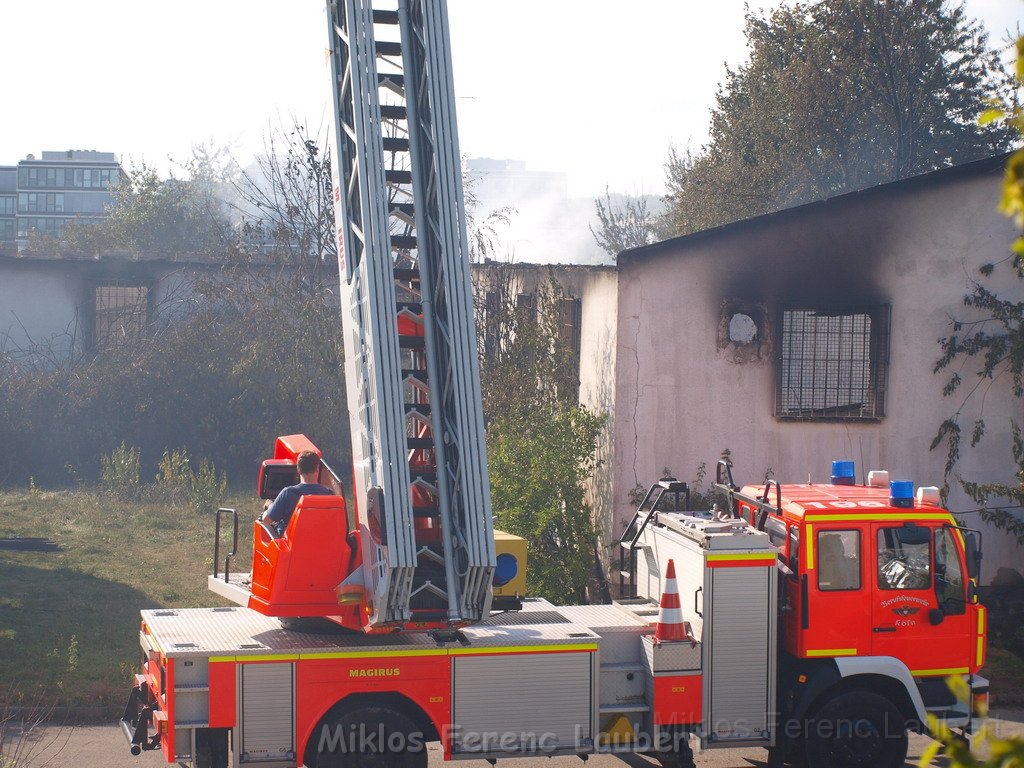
column 308, row 464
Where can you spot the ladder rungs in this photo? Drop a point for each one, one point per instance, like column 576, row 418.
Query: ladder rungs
column 385, row 17
column 398, row 177
column 405, row 242
column 392, row 144
column 387, row 48
column 392, row 112
column 407, row 275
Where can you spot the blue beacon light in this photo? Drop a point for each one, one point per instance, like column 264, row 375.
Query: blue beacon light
column 506, row 568
column 901, row 493
column 843, row 473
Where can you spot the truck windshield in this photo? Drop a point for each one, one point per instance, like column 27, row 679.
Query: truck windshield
column 904, row 559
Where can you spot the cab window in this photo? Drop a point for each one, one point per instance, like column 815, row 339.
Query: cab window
column 949, row 574
column 904, row 557
column 838, row 560
column 794, row 550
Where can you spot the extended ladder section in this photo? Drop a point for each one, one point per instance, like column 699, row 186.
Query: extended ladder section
column 421, row 486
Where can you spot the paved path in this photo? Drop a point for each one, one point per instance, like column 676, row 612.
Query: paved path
column 105, row 747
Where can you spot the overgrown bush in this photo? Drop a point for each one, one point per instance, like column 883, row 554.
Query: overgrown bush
column 120, row 472
column 203, row 488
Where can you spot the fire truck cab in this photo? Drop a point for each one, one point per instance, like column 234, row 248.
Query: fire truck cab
column 878, row 606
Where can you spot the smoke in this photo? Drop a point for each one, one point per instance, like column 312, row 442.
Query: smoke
column 545, row 225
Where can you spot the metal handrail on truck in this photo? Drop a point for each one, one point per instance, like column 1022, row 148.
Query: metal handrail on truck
column 216, row 543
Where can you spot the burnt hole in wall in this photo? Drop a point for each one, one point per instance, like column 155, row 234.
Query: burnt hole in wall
column 744, row 333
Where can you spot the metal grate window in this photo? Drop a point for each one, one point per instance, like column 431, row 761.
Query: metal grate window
column 832, row 365
column 121, row 313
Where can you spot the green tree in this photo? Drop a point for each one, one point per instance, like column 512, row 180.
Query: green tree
column 541, row 443
column 838, row 96
column 183, row 215
column 623, row 222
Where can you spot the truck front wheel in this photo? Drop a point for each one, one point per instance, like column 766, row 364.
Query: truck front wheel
column 374, row 737
column 856, row 729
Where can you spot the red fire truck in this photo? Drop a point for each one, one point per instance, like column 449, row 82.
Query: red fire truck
column 824, row 618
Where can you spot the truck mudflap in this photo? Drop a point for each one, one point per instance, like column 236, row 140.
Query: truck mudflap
column 137, row 717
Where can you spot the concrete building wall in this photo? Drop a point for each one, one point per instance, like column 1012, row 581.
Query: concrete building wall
column 39, row 304
column 684, row 392
column 46, row 304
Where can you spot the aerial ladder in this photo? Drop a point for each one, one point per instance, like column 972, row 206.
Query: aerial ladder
column 411, row 370
column 421, row 553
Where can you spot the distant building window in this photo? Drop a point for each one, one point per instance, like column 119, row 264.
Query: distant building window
column 526, row 304
column 28, row 225
column 121, row 312
column 7, row 205
column 8, row 230
column 571, row 312
column 40, row 202
column 76, row 178
column 492, row 310
column 832, row 365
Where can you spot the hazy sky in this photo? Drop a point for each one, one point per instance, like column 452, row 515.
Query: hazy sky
column 594, row 88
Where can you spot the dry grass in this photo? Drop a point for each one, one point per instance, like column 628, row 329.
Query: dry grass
column 69, row 619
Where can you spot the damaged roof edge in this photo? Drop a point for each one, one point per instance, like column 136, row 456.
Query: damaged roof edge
column 932, row 178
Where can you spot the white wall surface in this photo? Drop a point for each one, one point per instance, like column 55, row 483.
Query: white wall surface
column 681, row 398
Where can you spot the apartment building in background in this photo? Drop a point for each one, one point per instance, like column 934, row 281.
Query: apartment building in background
column 41, row 195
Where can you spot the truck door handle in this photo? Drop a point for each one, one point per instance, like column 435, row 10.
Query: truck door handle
column 883, row 629
column 696, row 592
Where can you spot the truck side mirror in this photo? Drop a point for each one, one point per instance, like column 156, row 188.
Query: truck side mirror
column 973, row 552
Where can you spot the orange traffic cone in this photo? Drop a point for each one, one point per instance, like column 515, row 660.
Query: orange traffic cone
column 671, row 627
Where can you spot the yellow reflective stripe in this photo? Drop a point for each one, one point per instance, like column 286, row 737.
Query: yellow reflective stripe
column 374, row 654
column 409, row 653
column 766, row 556
column 832, row 652
column 809, row 565
column 882, row 517
column 936, row 672
column 980, row 650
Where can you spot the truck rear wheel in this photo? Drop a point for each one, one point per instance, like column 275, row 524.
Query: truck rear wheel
column 857, row 729
column 374, row 737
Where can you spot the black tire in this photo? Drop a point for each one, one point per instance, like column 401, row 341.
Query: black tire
column 375, row 737
column 857, row 729
column 680, row 755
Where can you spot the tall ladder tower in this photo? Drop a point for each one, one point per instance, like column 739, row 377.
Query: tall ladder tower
column 422, row 493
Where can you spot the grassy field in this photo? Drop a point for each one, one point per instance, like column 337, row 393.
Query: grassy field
column 69, row 619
